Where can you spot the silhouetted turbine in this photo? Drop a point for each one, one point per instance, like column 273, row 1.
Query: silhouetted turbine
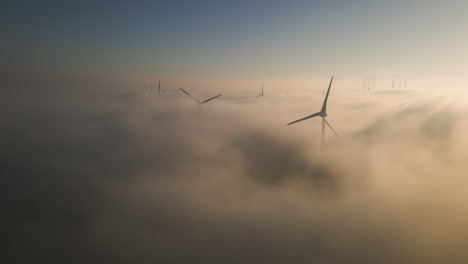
column 200, row 102
column 323, row 114
column 261, row 94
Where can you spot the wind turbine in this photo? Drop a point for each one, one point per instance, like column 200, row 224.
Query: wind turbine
column 261, row 94
column 323, row 115
column 200, row 102
column 365, row 84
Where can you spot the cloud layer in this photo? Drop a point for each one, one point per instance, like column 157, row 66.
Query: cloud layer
column 119, row 178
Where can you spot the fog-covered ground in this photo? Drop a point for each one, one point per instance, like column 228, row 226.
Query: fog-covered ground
column 129, row 177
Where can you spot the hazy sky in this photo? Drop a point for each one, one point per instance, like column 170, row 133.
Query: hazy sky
column 226, row 42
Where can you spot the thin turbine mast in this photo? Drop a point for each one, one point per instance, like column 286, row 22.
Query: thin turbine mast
column 322, row 142
column 364, row 84
column 261, row 94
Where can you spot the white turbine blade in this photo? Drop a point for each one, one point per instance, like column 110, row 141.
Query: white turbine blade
column 324, row 106
column 190, row 95
column 336, row 134
column 214, row 97
column 302, row 119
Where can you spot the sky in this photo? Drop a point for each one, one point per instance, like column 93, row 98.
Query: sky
column 233, row 43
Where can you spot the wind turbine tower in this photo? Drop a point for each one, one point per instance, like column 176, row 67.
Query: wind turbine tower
column 261, row 94
column 364, row 84
column 369, row 84
column 159, row 88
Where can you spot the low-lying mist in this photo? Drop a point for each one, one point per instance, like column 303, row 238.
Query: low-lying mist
column 136, row 178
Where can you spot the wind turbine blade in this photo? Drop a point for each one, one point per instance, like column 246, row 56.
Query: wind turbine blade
column 328, row 124
column 324, row 106
column 214, row 97
column 190, row 95
column 302, row 119
column 258, row 95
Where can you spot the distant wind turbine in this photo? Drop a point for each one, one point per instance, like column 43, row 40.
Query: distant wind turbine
column 323, row 115
column 261, row 94
column 159, row 88
column 200, row 102
column 369, row 84
column 364, row 84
